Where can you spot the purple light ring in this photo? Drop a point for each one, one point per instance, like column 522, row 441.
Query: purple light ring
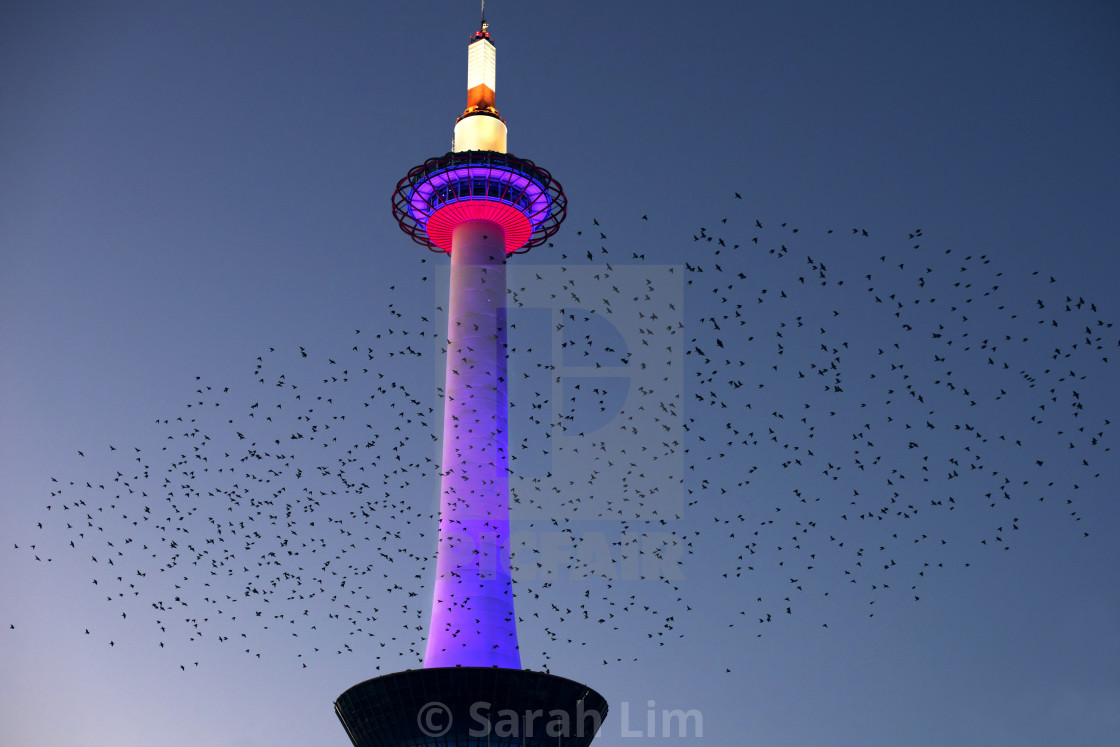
column 423, row 190
column 421, row 205
column 479, row 159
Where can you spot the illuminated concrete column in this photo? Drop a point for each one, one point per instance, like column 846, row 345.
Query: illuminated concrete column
column 473, row 622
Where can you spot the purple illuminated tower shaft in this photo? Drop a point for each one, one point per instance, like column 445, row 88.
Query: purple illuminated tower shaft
column 473, row 623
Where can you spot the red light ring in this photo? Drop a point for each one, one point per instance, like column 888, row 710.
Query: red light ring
column 443, row 221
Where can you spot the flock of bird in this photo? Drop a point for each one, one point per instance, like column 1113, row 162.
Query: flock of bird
column 785, row 420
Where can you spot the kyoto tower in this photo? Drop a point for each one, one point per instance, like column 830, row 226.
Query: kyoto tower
column 480, row 205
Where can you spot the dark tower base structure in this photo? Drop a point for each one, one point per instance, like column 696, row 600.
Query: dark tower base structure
column 460, row 706
column 480, row 205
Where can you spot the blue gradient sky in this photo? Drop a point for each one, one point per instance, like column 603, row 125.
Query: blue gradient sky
column 185, row 186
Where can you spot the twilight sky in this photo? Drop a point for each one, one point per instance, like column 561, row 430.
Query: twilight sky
column 866, row 455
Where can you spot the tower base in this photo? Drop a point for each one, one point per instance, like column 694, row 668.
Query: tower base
column 460, row 706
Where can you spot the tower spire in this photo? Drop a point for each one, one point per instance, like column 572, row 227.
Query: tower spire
column 480, row 126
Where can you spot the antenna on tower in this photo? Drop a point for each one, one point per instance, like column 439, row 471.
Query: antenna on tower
column 483, row 27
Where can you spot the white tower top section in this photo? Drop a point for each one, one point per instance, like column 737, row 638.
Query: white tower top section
column 480, row 127
column 481, row 64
